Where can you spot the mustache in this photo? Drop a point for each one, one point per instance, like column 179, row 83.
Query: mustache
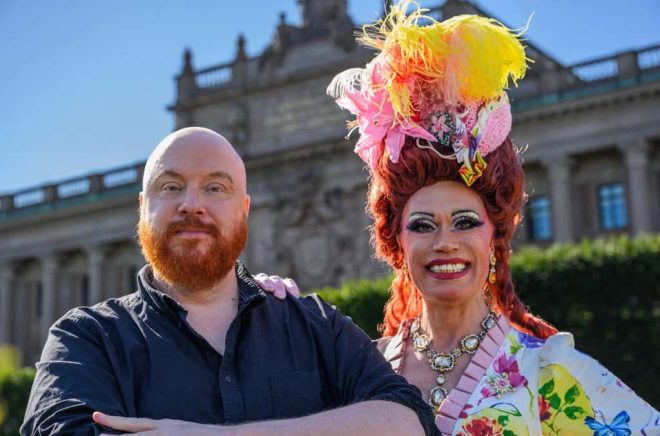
column 191, row 223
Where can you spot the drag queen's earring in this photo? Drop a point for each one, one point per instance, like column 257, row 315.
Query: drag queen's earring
column 492, row 277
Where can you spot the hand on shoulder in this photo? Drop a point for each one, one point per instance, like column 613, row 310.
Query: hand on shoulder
column 278, row 286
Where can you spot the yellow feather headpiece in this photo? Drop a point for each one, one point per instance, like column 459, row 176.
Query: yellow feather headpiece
column 464, row 59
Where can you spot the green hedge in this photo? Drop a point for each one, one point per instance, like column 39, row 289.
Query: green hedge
column 605, row 292
column 14, row 392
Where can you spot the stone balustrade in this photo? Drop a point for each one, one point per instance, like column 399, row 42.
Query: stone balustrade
column 79, row 186
column 214, row 77
column 618, row 66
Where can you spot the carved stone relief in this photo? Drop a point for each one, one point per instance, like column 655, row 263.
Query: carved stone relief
column 314, row 239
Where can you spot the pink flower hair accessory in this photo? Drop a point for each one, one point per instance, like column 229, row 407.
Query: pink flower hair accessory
column 375, row 118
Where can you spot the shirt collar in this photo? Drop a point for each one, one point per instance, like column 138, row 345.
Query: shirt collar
column 248, row 291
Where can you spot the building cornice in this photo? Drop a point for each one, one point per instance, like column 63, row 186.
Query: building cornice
column 241, row 90
column 586, row 99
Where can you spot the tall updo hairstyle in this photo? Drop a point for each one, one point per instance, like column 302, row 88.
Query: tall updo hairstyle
column 501, row 188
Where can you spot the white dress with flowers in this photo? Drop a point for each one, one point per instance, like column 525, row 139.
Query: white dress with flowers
column 517, row 384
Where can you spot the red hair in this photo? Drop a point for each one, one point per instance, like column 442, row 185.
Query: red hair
column 502, row 192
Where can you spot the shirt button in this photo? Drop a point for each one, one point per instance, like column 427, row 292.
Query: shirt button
column 228, row 379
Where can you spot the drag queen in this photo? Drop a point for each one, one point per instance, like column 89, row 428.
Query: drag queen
column 445, row 193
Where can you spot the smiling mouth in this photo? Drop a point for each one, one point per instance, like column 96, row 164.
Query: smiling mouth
column 448, row 268
column 448, row 271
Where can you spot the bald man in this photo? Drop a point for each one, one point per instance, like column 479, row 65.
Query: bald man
column 199, row 348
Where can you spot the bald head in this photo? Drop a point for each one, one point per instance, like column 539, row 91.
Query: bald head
column 195, row 149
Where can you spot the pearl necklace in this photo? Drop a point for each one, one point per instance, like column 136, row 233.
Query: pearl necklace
column 445, row 362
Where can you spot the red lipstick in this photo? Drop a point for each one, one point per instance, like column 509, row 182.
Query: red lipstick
column 448, row 275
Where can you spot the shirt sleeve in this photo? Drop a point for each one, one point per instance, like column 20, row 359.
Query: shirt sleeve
column 577, row 395
column 363, row 374
column 74, row 378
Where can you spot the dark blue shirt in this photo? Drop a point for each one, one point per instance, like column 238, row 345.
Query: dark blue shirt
column 138, row 356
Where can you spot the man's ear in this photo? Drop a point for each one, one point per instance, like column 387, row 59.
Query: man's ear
column 246, row 205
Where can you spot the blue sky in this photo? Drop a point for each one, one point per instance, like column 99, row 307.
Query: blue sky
column 84, row 84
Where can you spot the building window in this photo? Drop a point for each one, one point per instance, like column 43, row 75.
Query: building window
column 540, row 219
column 612, row 204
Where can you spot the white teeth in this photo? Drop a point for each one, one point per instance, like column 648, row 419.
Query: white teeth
column 448, row 268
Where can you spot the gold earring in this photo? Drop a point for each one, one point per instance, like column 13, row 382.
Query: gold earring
column 492, row 277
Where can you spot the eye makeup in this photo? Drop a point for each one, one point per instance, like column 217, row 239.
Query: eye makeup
column 466, row 219
column 421, row 222
column 461, row 220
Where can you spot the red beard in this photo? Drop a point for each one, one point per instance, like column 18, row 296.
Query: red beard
column 186, row 266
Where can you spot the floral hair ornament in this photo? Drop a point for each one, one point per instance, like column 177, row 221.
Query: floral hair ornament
column 441, row 83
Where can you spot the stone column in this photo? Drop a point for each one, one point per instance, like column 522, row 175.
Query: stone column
column 636, row 157
column 49, row 290
column 6, row 318
column 95, row 259
column 559, row 169
column 22, row 320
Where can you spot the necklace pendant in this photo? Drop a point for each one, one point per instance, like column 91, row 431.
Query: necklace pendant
column 437, row 396
column 440, row 379
column 489, row 322
column 442, row 362
column 421, row 342
column 470, row 343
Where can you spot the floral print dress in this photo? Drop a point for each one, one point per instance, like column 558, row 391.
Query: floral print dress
column 517, row 384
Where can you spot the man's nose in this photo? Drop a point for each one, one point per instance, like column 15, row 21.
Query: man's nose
column 192, row 204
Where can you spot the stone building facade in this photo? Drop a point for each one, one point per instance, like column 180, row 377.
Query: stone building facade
column 593, row 168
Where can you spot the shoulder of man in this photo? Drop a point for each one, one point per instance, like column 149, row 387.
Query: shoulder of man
column 317, row 305
column 102, row 315
column 310, row 307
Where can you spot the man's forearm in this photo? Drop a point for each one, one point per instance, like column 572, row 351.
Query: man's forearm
column 368, row 417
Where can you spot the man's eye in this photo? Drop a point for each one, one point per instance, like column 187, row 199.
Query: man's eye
column 216, row 188
column 171, row 188
column 421, row 226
